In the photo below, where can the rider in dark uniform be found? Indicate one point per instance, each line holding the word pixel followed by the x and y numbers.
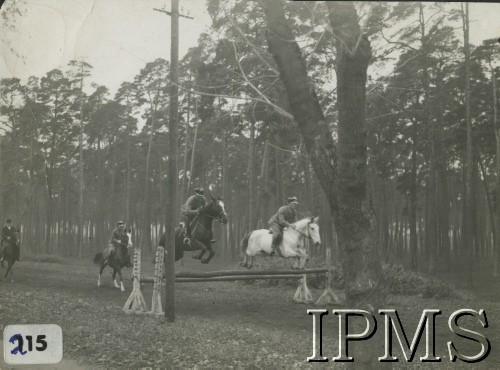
pixel 9 234
pixel 190 210
pixel 115 240
pixel 285 216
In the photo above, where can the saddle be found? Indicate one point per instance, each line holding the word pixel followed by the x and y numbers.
pixel 188 230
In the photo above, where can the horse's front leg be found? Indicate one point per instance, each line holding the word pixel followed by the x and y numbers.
pixel 202 247
pixel 9 272
pixel 122 287
pixel 100 273
pixel 200 254
pixel 243 262
pixel 302 258
pixel 12 273
pixel 114 278
pixel 211 253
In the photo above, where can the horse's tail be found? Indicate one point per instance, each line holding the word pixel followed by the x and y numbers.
pixel 98 258
pixel 244 242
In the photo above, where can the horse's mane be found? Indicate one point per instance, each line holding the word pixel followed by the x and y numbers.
pixel 302 223
pixel 209 204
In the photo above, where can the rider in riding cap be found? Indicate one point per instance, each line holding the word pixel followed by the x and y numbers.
pixel 116 239
pixel 9 233
pixel 285 216
pixel 190 210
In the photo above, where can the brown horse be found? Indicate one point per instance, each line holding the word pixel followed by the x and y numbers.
pixel 10 255
pixel 116 260
pixel 201 232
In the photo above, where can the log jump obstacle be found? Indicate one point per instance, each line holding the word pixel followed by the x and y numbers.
pixel 136 304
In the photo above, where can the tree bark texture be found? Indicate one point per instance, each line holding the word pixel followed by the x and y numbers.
pixel 341 171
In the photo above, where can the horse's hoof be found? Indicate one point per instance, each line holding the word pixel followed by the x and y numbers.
pixel 196 257
pixel 205 261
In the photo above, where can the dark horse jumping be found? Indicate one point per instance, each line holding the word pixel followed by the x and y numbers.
pixel 10 255
pixel 116 259
pixel 201 232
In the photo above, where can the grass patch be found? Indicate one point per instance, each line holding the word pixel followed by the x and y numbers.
pixel 398 280
pixel 44 258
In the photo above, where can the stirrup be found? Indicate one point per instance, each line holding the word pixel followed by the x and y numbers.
pixel 187 241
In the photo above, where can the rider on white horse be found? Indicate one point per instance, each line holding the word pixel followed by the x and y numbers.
pixel 285 216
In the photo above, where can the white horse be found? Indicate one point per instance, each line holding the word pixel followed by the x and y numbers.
pixel 259 242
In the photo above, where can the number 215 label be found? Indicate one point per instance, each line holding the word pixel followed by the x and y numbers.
pixel 32 344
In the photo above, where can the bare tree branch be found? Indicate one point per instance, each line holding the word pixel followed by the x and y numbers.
pixel 254 48
pixel 266 99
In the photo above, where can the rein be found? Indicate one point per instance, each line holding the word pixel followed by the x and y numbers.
pixel 308 235
pixel 196 219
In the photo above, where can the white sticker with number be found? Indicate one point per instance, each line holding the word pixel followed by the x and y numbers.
pixel 32 344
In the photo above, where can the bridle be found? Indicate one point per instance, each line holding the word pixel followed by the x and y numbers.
pixel 195 220
pixel 308 235
pixel 218 218
pixel 128 244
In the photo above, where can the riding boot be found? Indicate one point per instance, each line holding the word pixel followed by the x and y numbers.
pixel 183 233
pixel 275 247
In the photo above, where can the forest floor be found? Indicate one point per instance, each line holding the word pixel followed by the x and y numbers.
pixel 218 324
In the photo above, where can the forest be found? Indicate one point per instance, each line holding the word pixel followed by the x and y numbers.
pixel 76 157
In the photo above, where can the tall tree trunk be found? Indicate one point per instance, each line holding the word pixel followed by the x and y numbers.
pixel 193 153
pixel 171 209
pixel 412 201
pixel 443 198
pixel 1 181
pixel 280 192
pixel 146 213
pixel 264 196
pixel 49 210
pixel 344 183
pixel 183 189
pixel 128 185
pixel 496 127
pixel 80 170
pixel 467 240
pixel 251 178
pixel 226 196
